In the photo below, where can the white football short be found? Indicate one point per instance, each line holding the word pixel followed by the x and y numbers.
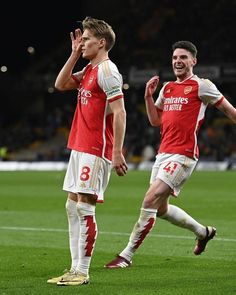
pixel 87 174
pixel 173 169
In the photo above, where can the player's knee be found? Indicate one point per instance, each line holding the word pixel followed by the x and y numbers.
pixel 73 196
pixel 157 200
pixel 162 209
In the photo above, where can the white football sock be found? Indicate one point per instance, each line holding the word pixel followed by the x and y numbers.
pixel 73 224
pixel 180 218
pixel 88 235
pixel 141 229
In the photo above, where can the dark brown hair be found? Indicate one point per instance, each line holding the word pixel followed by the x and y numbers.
pixel 187 45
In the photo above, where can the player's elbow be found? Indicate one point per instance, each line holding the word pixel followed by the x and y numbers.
pixel 59 86
pixel 155 123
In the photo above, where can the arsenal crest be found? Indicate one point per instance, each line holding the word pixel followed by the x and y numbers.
pixel 188 89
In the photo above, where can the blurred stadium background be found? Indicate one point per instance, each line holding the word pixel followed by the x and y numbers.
pixel 35 118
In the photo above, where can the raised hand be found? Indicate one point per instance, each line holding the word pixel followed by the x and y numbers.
pixel 76 40
pixel 151 86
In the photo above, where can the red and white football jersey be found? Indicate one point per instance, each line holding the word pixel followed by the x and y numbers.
pixel 183 106
pixel 92 130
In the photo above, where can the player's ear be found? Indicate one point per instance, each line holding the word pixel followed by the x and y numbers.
pixel 194 61
pixel 102 42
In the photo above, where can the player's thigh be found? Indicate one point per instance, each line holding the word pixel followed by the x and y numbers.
pixel 174 170
pixel 86 173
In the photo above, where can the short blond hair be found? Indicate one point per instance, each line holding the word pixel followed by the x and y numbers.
pixel 100 29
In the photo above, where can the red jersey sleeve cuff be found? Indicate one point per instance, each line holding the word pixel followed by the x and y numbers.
pixel 75 79
pixel 219 101
pixel 115 98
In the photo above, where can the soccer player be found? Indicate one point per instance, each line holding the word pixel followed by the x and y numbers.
pixel 95 140
pixel 179 111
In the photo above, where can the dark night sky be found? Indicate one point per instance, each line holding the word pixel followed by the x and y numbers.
pixel 37 25
pixel 45 27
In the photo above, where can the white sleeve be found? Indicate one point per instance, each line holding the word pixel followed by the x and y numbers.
pixel 208 92
pixel 160 100
pixel 110 80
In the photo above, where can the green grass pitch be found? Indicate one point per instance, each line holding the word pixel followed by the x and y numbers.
pixel 34 237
